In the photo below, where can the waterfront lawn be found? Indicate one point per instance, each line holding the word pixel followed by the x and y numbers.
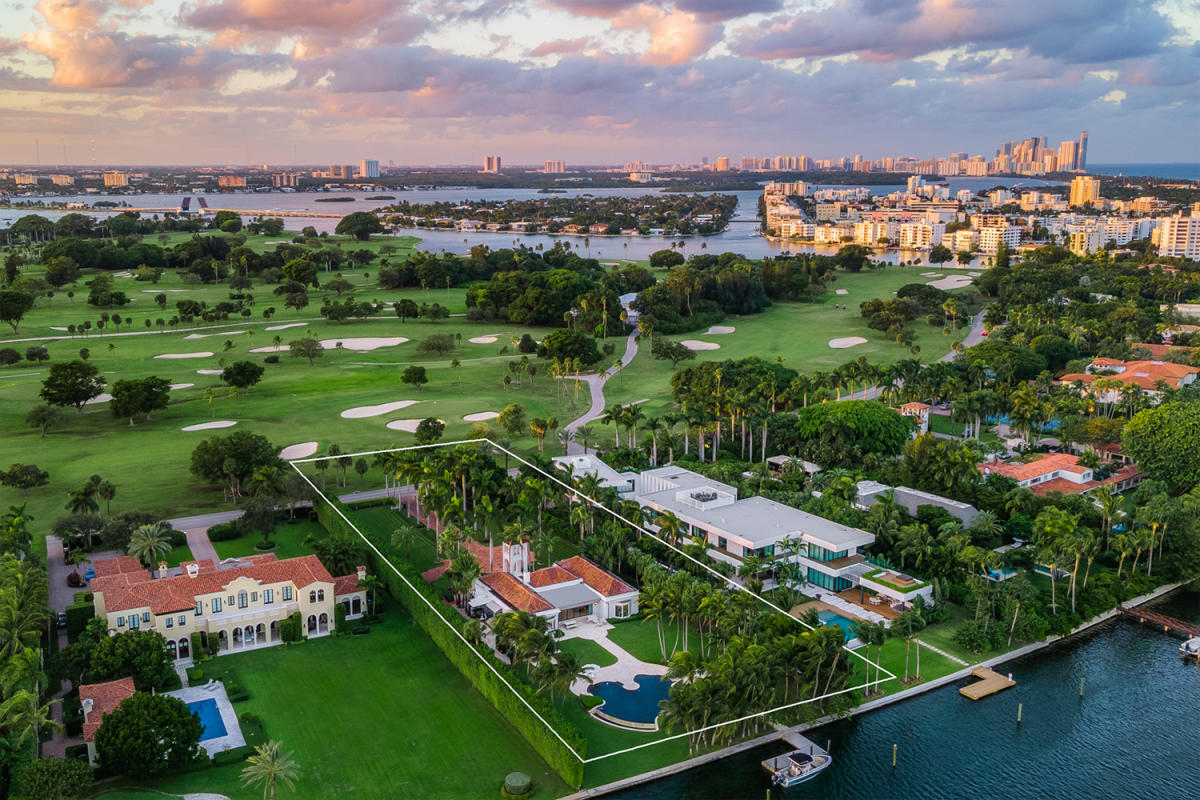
pixel 383 715
pixel 933 666
pixel 639 637
pixel 941 635
pixel 288 537
pixel 587 651
pixel 386 519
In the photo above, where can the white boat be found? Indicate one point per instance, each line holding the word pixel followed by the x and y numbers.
pixel 1191 647
pixel 796 767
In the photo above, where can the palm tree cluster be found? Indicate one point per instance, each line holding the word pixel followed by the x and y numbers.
pixel 526 641
pixel 24 714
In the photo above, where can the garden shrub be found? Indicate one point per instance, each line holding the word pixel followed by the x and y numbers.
pixel 289 629
pixel 339 618
pixel 225 532
pixel 271 359
pixel 197 645
pixel 177 538
pixel 236 692
pixel 234 755
pixel 437 620
pixel 195 674
pixel 78 616
pixel 77 751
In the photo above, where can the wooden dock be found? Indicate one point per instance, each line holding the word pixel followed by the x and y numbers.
pixel 989 683
pixel 802 743
pixel 1168 624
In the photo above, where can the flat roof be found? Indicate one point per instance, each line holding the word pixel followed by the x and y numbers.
pixel 569 596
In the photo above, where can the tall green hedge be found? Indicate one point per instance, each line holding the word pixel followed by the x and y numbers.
pixel 429 612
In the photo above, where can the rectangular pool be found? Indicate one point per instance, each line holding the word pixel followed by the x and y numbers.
pixel 834 618
pixel 210 718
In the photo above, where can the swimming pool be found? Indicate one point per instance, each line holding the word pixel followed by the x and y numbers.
pixel 834 618
pixel 210 718
pixel 640 705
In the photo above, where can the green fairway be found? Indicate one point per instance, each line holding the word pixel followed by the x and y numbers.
pixel 383 715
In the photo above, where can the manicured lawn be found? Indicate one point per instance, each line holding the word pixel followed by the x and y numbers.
pixel 178 555
pixel 288 538
pixel 587 651
pixel 383 715
pixel 932 665
pixel 941 635
pixel 386 519
pixel 640 639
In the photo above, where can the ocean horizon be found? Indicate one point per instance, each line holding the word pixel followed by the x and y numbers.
pixel 1167 169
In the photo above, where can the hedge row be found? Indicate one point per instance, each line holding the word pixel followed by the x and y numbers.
pixel 429 612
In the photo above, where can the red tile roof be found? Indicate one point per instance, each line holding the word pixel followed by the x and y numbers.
pixel 1042 466
pixel 515 593
pixel 551 575
pixel 105 698
pixel 117 565
pixel 489 560
pixel 1159 352
pixel 1068 487
pixel 594 576
pixel 345 584
pixel 1145 374
pixel 167 595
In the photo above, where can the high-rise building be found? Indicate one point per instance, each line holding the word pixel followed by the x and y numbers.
pixel 116 179
pixel 491 164
pixel 62 180
pixel 25 179
pixel 368 168
pixel 1084 190
pixel 1179 237
pixel 1067 152
pixel 722 163
pixel 554 166
pixel 341 171
pixel 231 181
pixel 1081 152
pixel 285 179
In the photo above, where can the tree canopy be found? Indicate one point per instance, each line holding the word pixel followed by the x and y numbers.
pixel 72 383
pixel 149 734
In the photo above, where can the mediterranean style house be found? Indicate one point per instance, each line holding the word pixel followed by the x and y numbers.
pixel 96 700
pixel 562 593
pixel 240 601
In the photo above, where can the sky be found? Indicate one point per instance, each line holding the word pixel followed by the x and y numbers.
pixel 590 81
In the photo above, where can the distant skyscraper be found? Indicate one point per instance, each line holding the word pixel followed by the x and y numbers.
pixel 722 163
pixel 1084 190
pixel 342 171
pixel 491 164
pixel 554 166
pixel 116 179
pixel 1067 156
pixel 368 168
pixel 1081 154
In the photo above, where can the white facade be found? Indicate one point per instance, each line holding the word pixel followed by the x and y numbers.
pixel 1179 237
pixel 921 235
pixel 991 238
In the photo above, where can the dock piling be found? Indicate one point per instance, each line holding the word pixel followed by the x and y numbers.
pixel 1019 707
pixel 1081 682
pixel 895 747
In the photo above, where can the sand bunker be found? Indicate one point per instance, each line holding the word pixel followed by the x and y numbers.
pixel 285 327
pixel 182 385
pixel 717 330
pixel 184 355
pixel 103 397
pixel 58 328
pixel 481 416
pixel 841 291
pixel 975 274
pixel 207 335
pixel 302 450
pixel 210 371
pixel 361 412
pixel 274 348
pixel 407 425
pixel 207 426
pixel 846 341
pixel 364 344
pixel 157 291
pixel 931 274
pixel 952 282
pixel 483 339
pixel 125 274
pixel 696 344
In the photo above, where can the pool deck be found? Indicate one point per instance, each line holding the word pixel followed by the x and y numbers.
pixel 626 668
pixel 215 690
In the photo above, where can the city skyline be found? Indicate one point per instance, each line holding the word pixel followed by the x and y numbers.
pixel 588 81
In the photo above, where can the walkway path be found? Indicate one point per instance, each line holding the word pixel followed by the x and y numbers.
pixel 627 668
pixel 941 653
pixel 596 387
pixel 206 521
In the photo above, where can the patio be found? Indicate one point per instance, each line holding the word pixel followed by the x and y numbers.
pixel 624 671
pixel 862 599
pixel 215 690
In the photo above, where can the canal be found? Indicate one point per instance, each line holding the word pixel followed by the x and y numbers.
pixel 1133 733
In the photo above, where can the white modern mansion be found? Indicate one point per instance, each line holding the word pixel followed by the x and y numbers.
pixel 833 555
pixel 239 601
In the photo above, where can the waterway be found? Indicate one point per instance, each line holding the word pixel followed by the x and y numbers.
pixel 1134 732
pixel 1187 171
pixel 741 236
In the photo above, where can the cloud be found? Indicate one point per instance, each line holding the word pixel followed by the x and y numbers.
pixel 560 47
pixel 676 37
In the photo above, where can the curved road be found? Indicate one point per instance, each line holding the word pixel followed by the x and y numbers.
pixel 596 387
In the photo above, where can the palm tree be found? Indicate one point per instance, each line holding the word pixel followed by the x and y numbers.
pixel 107 491
pixel 268 765
pixel 669 526
pixel 83 500
pixel 1110 508
pixel 907 625
pixel 584 434
pixel 149 542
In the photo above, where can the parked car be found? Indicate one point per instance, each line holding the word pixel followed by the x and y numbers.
pixel 62 619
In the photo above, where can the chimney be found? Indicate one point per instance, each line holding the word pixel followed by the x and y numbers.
pixel 193 570
pixel 362 573
pixel 162 569
pixel 87 707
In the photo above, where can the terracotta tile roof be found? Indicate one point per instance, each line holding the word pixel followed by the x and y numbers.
pixel 1145 374
pixel 105 698
pixel 167 595
pixel 515 593
pixel 1159 352
pixel 549 576
pixel 431 575
pixel 1043 466
pixel 915 407
pixel 345 584
pixel 1068 487
pixel 117 565
pixel 493 562
pixel 594 576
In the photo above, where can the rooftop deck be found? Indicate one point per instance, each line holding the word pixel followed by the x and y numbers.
pixel 862 599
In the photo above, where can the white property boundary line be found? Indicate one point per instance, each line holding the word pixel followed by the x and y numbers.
pixel 594 504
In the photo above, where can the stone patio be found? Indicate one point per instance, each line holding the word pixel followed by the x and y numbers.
pixel 215 690
pixel 626 668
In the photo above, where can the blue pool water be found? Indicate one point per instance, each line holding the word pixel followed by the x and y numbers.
pixel 834 618
pixel 210 718
pixel 633 706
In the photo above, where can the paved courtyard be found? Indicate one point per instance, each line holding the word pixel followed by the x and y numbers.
pixel 626 668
